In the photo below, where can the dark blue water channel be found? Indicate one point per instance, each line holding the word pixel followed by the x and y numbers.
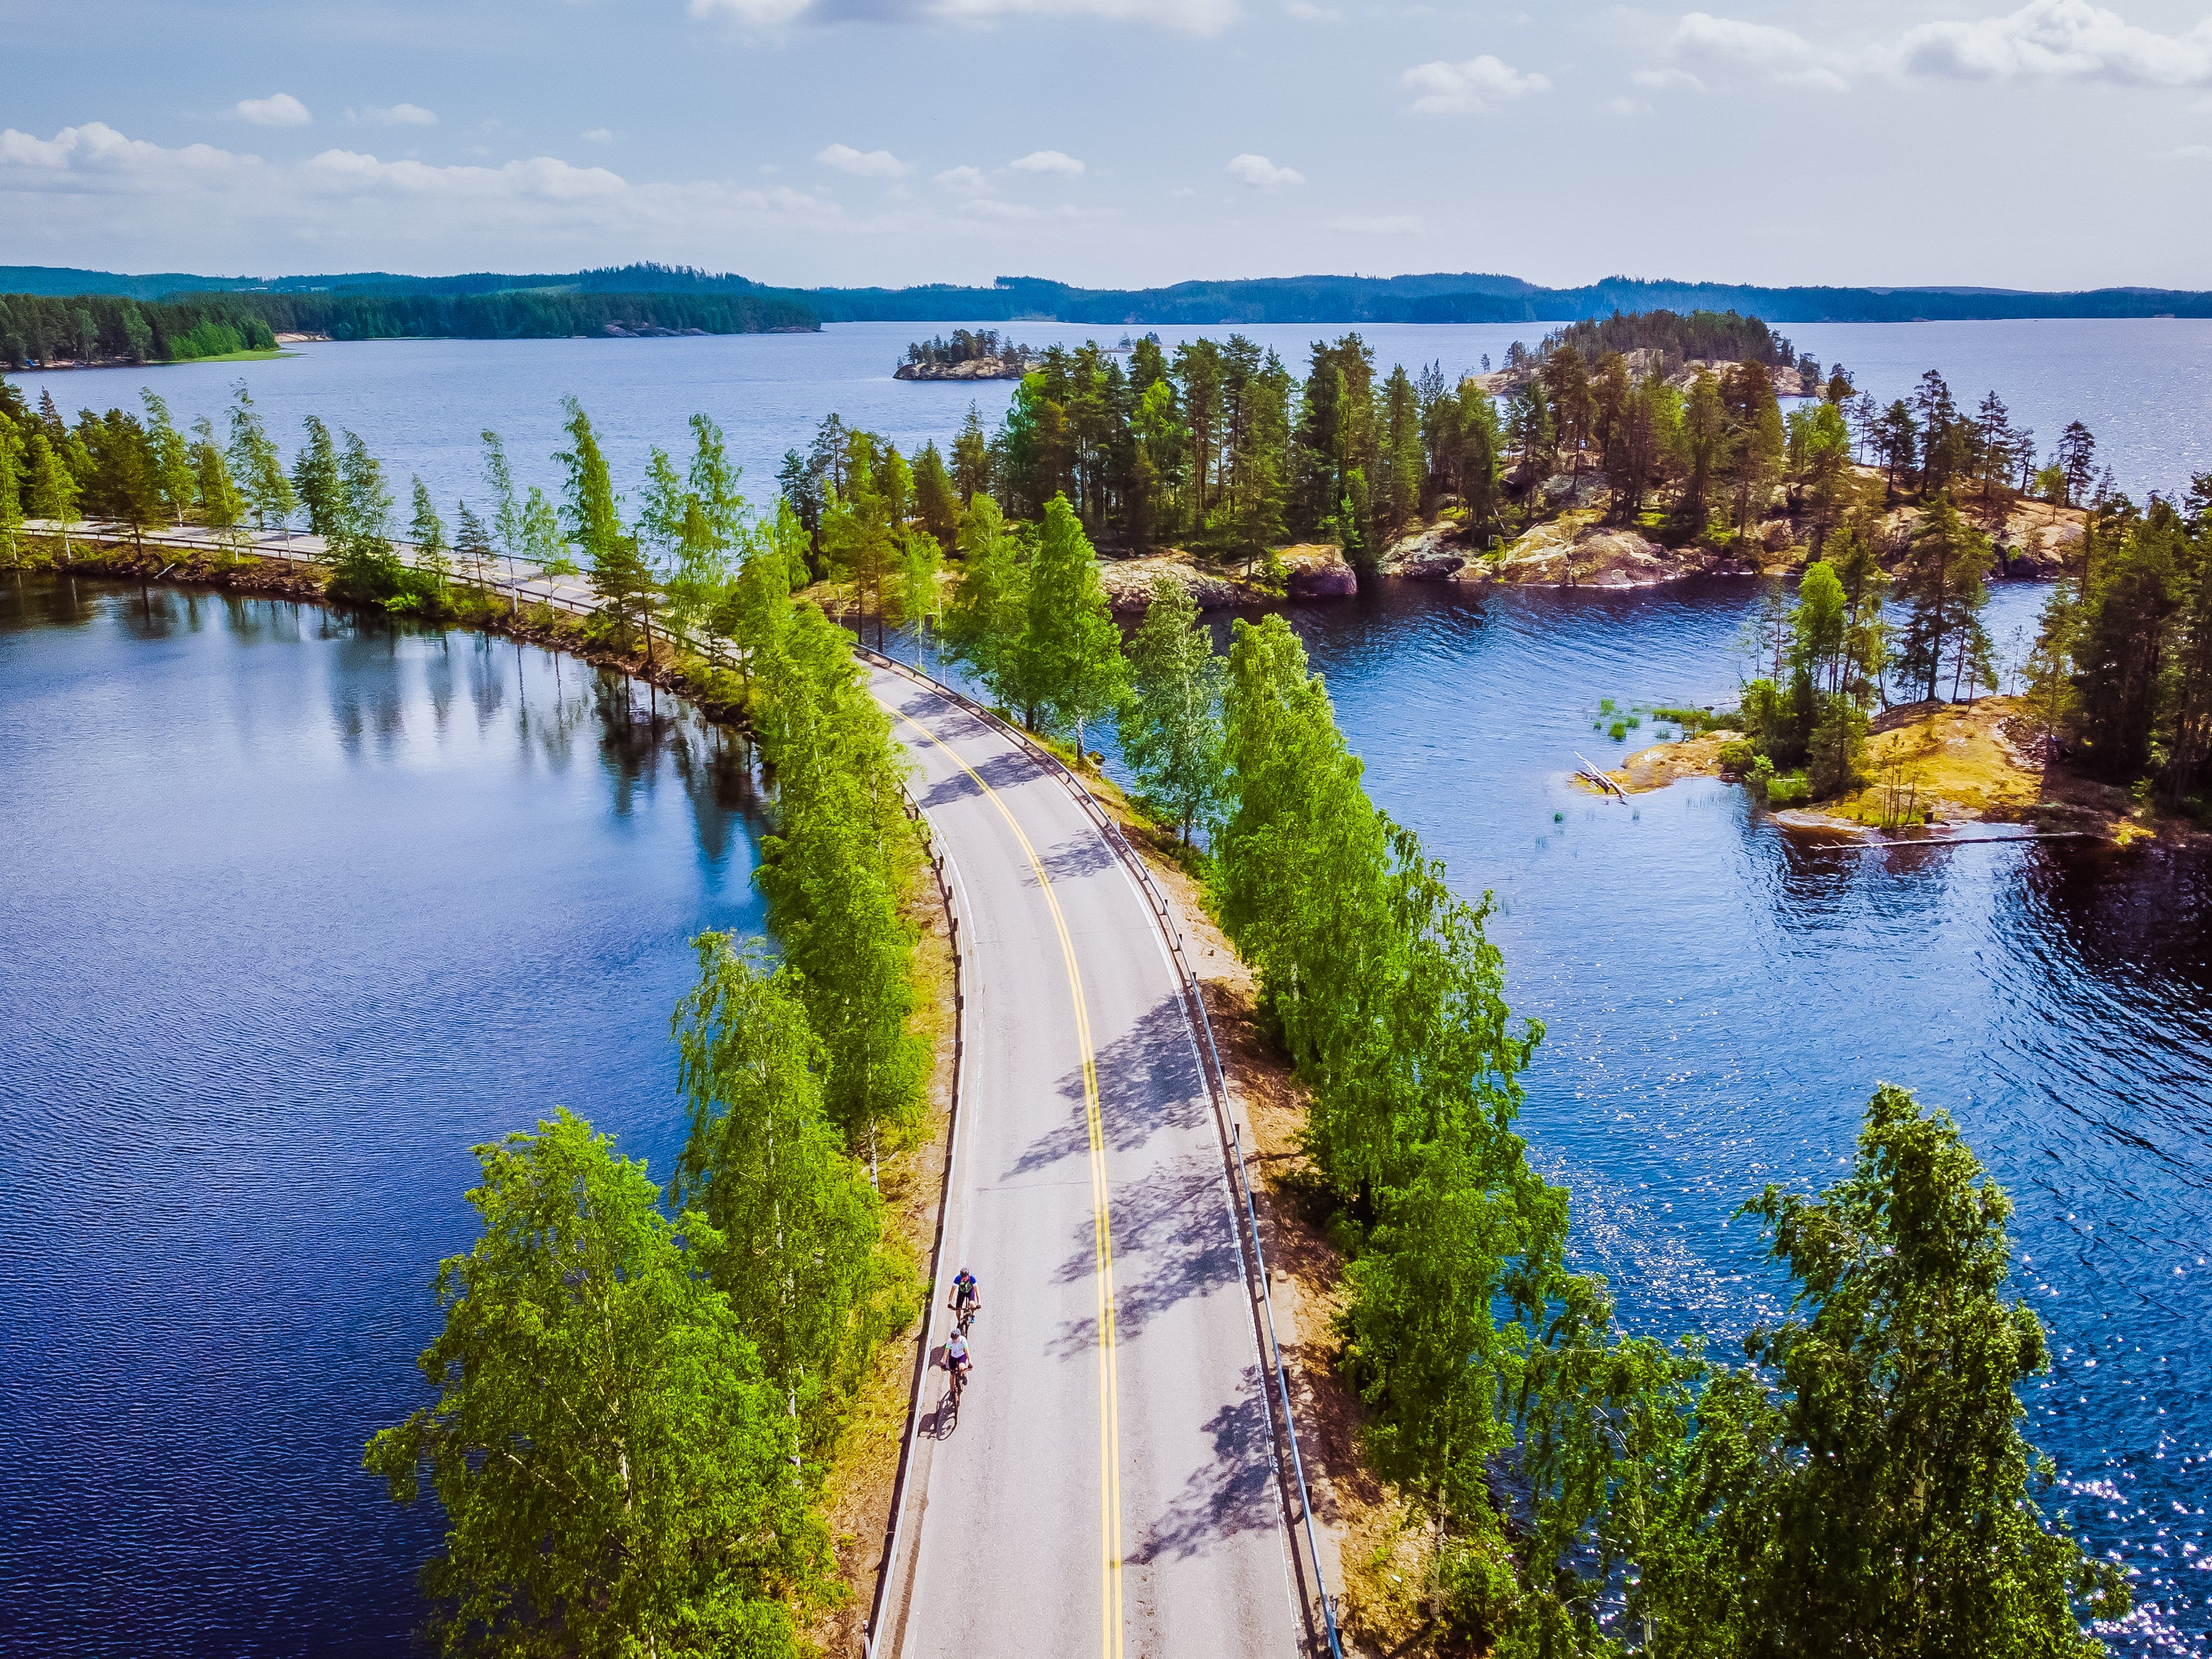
pixel 294 910
pixel 1719 999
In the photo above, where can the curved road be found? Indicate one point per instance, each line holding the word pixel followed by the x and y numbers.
pixel 1110 1485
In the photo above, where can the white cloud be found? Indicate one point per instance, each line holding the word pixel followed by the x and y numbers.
pixel 1048 160
pixel 279 109
pixel 597 135
pixel 1306 11
pixel 92 187
pixel 2058 40
pixel 2188 153
pixel 1665 80
pixel 401 115
pixel 1781 57
pixel 963 181
pixel 863 164
pixel 1184 16
pixel 1261 173
pixel 1388 224
pixel 1474 87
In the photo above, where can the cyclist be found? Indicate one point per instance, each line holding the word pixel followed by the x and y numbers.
pixel 957 1360
pixel 967 1297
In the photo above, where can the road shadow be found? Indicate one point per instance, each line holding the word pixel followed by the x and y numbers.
pixel 1147 1081
pixel 1233 1491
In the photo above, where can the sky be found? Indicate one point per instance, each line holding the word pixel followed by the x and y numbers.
pixel 1114 143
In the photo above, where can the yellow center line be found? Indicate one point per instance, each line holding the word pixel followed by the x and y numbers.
pixel 1109 1409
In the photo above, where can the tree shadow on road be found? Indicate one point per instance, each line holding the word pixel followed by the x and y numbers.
pixel 1233 1491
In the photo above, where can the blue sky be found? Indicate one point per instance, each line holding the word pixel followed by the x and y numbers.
pixel 1115 141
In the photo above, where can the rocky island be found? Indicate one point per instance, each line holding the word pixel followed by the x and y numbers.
pixel 980 355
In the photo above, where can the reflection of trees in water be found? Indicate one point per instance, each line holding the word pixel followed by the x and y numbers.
pixel 366 699
pixel 2136 918
pixel 716 767
pixel 488 670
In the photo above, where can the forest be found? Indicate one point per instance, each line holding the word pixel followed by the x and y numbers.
pixel 37 332
pixel 1857 1482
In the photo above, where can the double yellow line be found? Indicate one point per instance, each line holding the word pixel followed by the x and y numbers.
pixel 1102 1232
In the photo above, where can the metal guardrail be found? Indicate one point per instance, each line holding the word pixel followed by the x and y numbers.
pixel 1217 1082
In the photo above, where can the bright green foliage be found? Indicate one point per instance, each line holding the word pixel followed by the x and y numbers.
pixel 175 476
pixel 1389 994
pixel 2133 663
pixel 1171 731
pixel 221 506
pixel 259 467
pixel 12 457
pixel 591 512
pixel 53 488
pixel 1818 628
pixel 798 1229
pixel 316 479
pixel 834 869
pixel 859 540
pixel 986 624
pixel 1897 1484
pixel 506 526
pixel 615 1471
pixel 362 563
pixel 426 527
pixel 919 596
pixel 1072 646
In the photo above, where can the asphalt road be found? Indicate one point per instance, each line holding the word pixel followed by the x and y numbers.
pixel 1108 1484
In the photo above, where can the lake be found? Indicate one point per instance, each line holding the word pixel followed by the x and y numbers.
pixel 297 911
pixel 263 1022
pixel 2140 385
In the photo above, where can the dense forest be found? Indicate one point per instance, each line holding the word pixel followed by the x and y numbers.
pixel 98 329
pixel 1857 1481
pixel 37 332
pixel 1440 297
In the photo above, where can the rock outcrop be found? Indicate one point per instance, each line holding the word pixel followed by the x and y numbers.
pixel 975 368
pixel 1315 572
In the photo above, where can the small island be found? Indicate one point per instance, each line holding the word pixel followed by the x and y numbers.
pixel 977 355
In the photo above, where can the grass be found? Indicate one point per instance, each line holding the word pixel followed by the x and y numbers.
pixel 261 356
pixel 1950 760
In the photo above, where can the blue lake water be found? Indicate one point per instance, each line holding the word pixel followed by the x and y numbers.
pixel 261 1022
pixel 295 912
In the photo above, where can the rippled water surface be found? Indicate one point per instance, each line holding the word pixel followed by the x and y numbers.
pixel 294 912
pixel 1719 1001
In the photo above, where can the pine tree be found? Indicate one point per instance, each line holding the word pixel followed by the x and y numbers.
pixel 221 508
pixel 53 490
pixel 985 625
pixel 13 455
pixel 472 542
pixel 1941 582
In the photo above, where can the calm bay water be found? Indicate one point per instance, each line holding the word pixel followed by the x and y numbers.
pixel 296 911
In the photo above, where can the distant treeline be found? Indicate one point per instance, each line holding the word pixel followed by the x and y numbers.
pixel 533 315
pixel 1437 297
pixel 36 331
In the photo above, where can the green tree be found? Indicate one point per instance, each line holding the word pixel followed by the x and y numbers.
pixel 937 503
pixel 13 454
pixel 615 1471
pixel 590 511
pixel 985 625
pixel 53 489
pixel 221 508
pixel 473 543
pixel 1070 636
pixel 798 1229
pixel 1942 582
pixel 1906 1521
pixel 258 468
pixel 1171 731
pixel 362 562
pixel 175 477
pixel 317 481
